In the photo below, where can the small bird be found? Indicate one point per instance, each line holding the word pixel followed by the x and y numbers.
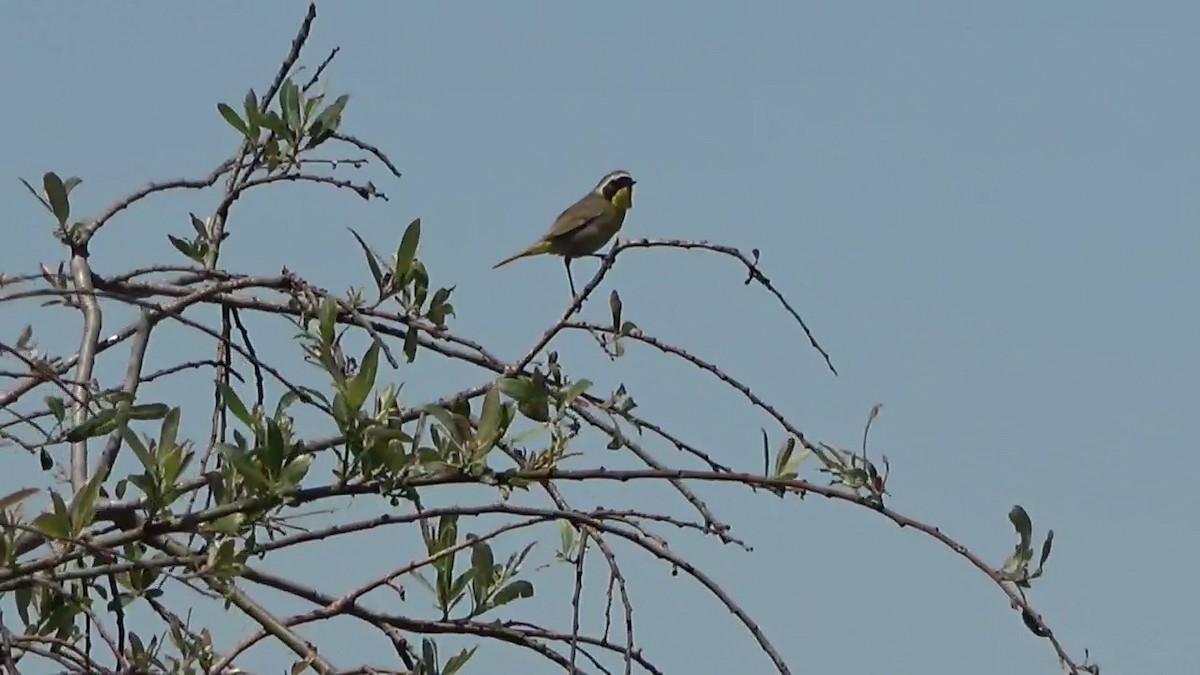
pixel 587 225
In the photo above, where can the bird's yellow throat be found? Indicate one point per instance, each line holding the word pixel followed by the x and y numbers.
pixel 623 199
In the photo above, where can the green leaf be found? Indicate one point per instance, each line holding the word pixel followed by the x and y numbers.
pixel 148 411
pixel 489 419
pixel 83 505
pixel 482 566
pixel 410 344
pixel 372 263
pixel 572 393
pixel 439 309
pixel 332 115
pixel 327 122
pixel 327 320
pixel 36 194
pixel 614 306
pixel 174 462
pixel 1020 521
pixel 286 401
pixel 185 247
pixel 273 450
pixel 52 525
pixel 360 386
pixel 447 532
pixel 517 589
pixel 446 418
pixel 244 465
pixel 458 589
pixel 536 409
pixel 420 282
pixel 519 388
pixel 45 459
pixel 231 116
pixel 98 425
pixel 60 506
pixel 139 449
pixel 296 470
pixel 311 104
pixel 228 524
pixel 56 195
pixel 407 250
pixel 199 226
pixel 14 498
pixel 234 405
pixel 766 452
pixel 566 533
pixel 429 655
pixel 57 408
pixel 70 184
pixel 440 296
pixel 1046 548
pixel 617 441
pixel 438 313
pixel 456 662
pixel 250 105
pixel 170 428
pixel 289 103
pixel 272 121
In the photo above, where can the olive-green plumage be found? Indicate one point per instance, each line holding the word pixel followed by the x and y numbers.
pixel 587 225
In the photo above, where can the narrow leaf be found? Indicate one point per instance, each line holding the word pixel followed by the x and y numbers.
pixel 51 525
pixel 327 319
pixel 148 411
pixel 289 100
pixel 185 247
pixel 489 419
pixel 83 505
pixel 140 450
pixel 57 407
pixel 231 116
pixel 1020 521
pixel 614 306
pixel 456 662
pixel 766 452
pixel 481 565
pixel 14 498
pixel 517 589
pixel 97 425
pixel 410 344
pixel 250 105
pixel 170 428
pixel 56 195
pixel 37 194
pixel 407 249
pixel 376 273
pixel 1046 548
pixel 360 386
pixel 576 388
pixel 234 405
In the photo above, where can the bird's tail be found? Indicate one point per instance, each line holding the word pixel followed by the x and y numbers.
pixel 537 248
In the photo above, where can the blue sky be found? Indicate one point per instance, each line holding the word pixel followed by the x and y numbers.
pixel 987 216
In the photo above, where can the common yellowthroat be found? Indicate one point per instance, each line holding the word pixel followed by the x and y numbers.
pixel 587 225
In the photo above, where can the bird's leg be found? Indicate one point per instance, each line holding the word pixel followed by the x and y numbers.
pixel 570 279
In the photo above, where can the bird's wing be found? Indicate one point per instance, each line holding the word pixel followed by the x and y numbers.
pixel 576 217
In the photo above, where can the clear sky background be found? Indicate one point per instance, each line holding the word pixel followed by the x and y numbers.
pixel 986 213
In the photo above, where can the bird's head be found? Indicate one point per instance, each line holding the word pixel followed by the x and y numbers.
pixel 617 187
